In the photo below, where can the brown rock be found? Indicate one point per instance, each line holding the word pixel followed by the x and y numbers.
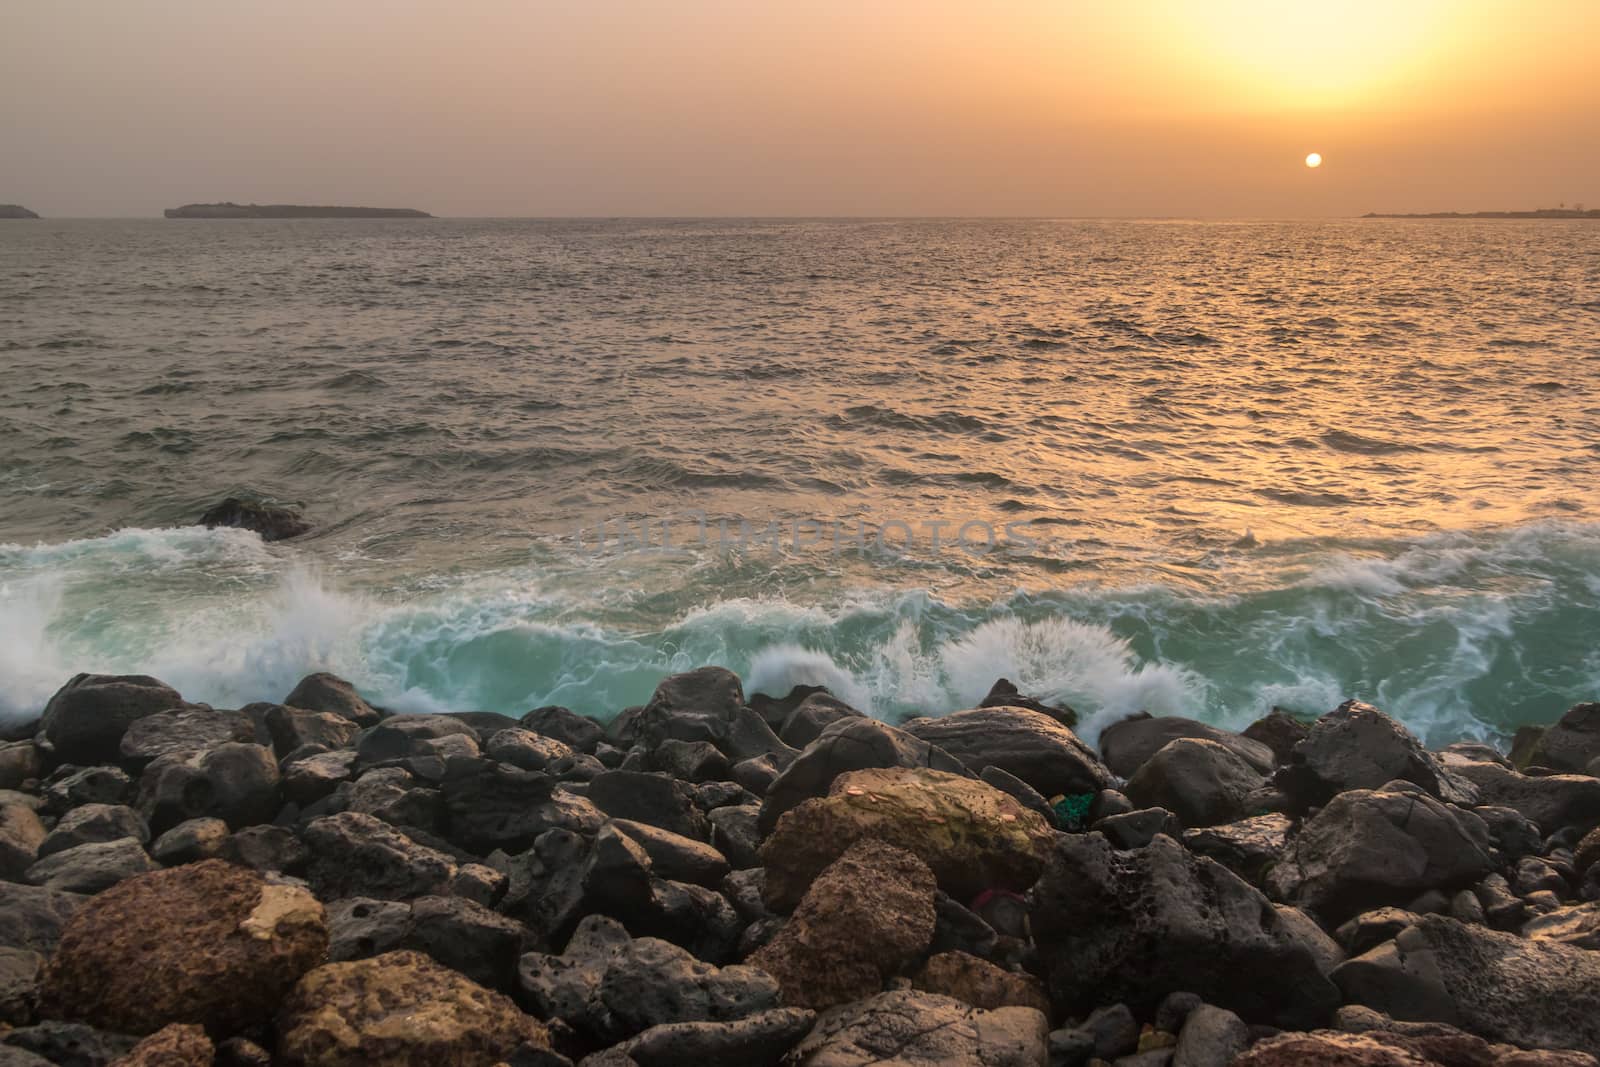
pixel 400 1009
pixel 867 916
pixel 1329 1049
pixel 205 943
pixel 980 983
pixel 174 1045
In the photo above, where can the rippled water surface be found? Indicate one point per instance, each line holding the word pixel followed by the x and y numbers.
pixel 1245 463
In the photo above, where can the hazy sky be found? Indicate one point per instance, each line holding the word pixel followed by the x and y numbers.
pixel 822 107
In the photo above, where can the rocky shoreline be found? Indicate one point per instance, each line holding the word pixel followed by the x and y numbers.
pixel 716 879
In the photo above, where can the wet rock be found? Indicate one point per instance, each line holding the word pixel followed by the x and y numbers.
pixel 292 728
pixel 1003 694
pixel 758 1040
pixel 1247 847
pixel 1211 1037
pixel 682 859
pixel 1536 994
pixel 190 840
pixel 400 1009
pixel 206 943
pixel 849 744
pixel 92 824
pixel 182 729
pixel 84 721
pixel 310 778
pixel 867 916
pixel 65 1044
pixel 327 692
pixel 973 836
pixel 1279 731
pixel 1028 744
pixel 1356 746
pixel 273 522
pixel 1572 743
pixel 910 1029
pixel 577 732
pixel 1554 802
pixel 174 1045
pixel 979 983
pixel 1135 926
pixel 1577 925
pixel 91 868
pixel 1126 745
pixel 234 782
pixel 814 714
pixel 355 855
pixel 71 787
pixel 20 969
pixel 32 917
pixel 493 805
pixel 1368 848
pixel 1202 782
pixel 655 799
pixel 1136 829
pixel 21 836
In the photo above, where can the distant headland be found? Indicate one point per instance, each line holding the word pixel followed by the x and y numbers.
pixel 290 211
pixel 1537 213
pixel 15 211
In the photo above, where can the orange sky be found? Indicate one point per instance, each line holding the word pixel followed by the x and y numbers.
pixel 829 107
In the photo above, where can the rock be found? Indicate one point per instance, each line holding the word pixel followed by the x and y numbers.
pixel 1511 832
pixel 1112 1031
pixel 32 917
pixel 907 1028
pixel 1331 1049
pixel 19 985
pixel 1028 744
pixel 327 692
pixel 492 805
pixel 758 1040
pixel 1554 802
pixel 91 868
pixel 1372 928
pixel 70 787
pixel 1279 731
pixel 20 762
pixel 525 749
pixel 1136 829
pixel 1587 854
pixel 182 729
pixel 310 778
pixel 93 824
pixel 868 915
pixel 1135 926
pixel 1368 848
pixel 757 773
pixel 394 795
pixel 1577 925
pixel 849 744
pixel 84 722
pixel 174 1045
pixel 234 782
pixel 65 1044
pixel 1247 847
pixel 292 728
pixel 1003 694
pixel 466 937
pixel 1536 994
pixel 193 839
pixel 814 714
pixel 273 522
pixel 1127 744
pixel 267 849
pixel 959 929
pixel 577 732
pixel 1211 1037
pixel 979 983
pixel 1356 746
pixel 404 736
pixel 736 834
pixel 1572 743
pixel 1202 782
pixel 1324 949
pixel 206 943
pixel 974 837
pixel 1021 791
pixel 355 855
pixel 400 1009
pixel 655 799
pixel 21 836
pixel 674 856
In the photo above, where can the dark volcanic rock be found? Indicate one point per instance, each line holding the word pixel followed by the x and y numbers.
pixel 1554 802
pixel 655 799
pixel 526 750
pixel 1202 782
pixel 20 969
pixel 1135 926
pixel 1502 987
pixel 813 715
pixel 1003 694
pixel 33 918
pixel 1127 744
pixel 577 732
pixel 674 856
pixel 402 736
pixel 91 868
pixel 493 805
pixel 758 1040
pixel 1572 743
pixel 273 522
pixel 21 837
pixel 330 693
pixel 85 720
pixel 980 983
pixel 206 943
pixel 94 823
pixel 1356 746
pixel 237 783
pixel 64 1044
pixel 466 937
pixel 866 917
pixel 70 787
pixel 190 840
pixel 908 1028
pixel 174 1045
pixel 355 855
pixel 292 728
pixel 1279 731
pixel 181 730
pixel 1247 847
pixel 1029 744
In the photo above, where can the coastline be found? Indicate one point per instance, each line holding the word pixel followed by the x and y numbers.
pixel 722 878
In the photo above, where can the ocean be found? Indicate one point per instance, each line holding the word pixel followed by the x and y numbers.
pixel 1199 468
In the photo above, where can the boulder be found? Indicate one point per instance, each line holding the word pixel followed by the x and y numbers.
pixel 1134 926
pixel 234 782
pixel 181 729
pixel 65 1044
pixel 292 728
pixel 1554 802
pixel 1369 848
pixel 206 943
pixel 811 716
pixel 1577 925
pixel 394 795
pixel 267 849
pixel 356 855
pixel 91 868
pixel 1136 829
pixel 310 778
pixel 979 983
pixel 526 750
pixel 644 797
pixel 272 522
pixel 32 917
pixel 1127 744
pixel 1372 928
pixel 85 720
pixel 1279 731
pixel 974 837
pixel 92 824
pixel 400 1009
pixel 20 762
pixel 909 1028
pixel 20 969
pixel 682 859
pixel 69 787
pixel 326 692
pixel 1572 743
pixel 1356 746
pixel 193 839
pixel 1248 847
pixel 174 1045
pixel 850 744
pixel 1211 1037
pixel 1029 744
pixel 1202 782
pixel 1331 1049
pixel 405 736
pixel 736 833
pixel 464 936
pixel 1535 994
pixel 757 1040
pixel 867 916
pixel 577 732
pixel 490 805
pixel 1003 694
pixel 21 836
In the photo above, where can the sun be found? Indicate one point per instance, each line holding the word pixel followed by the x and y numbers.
pixel 1314 160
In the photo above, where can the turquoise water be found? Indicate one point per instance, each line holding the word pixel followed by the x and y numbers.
pixel 1247 464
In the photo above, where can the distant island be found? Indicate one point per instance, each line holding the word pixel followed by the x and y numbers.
pixel 290 211
pixel 15 211
pixel 1537 213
